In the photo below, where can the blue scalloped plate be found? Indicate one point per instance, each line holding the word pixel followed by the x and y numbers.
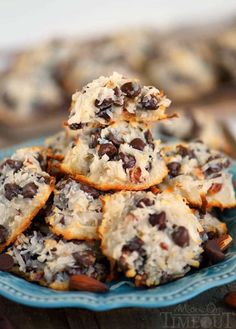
pixel 172 293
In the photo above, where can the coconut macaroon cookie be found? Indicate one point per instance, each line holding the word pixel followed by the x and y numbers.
pixel 199 174
pixel 152 238
pixel 76 211
pixel 115 98
pixel 193 125
pixel 120 156
pixel 58 143
pixel 24 190
pixel 51 262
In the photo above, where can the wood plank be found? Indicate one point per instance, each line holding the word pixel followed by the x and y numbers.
pixel 200 312
pixel 23 317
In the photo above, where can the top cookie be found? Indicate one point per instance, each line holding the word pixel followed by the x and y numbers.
pixel 115 98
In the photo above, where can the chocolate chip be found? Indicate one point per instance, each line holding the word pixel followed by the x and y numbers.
pixel 109 149
pixel 42 161
pixel 114 140
pixel 13 164
pixel 61 201
pixel 104 104
pixel 90 190
pixel 118 101
pixel 84 259
pixel 166 278
pixel 128 160
pixel 62 220
pixel 131 89
pixel 148 167
pixel 213 252
pixel 103 114
pixel 29 190
pixel 174 168
pixel 134 244
pixel 11 190
pixel 3 234
pixel 149 102
pixel 144 202
pixel 185 152
pixel 181 236
pixel 214 168
pixel 138 144
pixel 75 126
pixel 94 138
pixel 148 136
pixel 6 262
pixel 158 220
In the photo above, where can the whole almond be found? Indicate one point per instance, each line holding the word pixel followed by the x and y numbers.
pixel 85 283
pixel 230 299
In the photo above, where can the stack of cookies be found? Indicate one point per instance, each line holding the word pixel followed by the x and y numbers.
pixel 122 202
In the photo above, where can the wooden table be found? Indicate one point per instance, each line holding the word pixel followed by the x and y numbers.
pixel 205 311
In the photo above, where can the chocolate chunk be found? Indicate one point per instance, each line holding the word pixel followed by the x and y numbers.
pixel 114 140
pixel 104 104
pixel 90 190
pixel 6 262
pixel 128 160
pixel 11 191
pixel 149 102
pixel 181 236
pixel 158 220
pixel 84 259
pixel 144 202
pixel 213 252
pixel 13 164
pixel 138 144
pixel 134 244
pixel 185 152
pixel 131 89
pixel 148 136
pixel 3 234
pixel 75 126
pixel 109 149
pixel 174 168
pixel 29 190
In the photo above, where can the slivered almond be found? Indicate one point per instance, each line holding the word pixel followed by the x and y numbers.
pixel 224 241
pixel 85 283
pixel 215 188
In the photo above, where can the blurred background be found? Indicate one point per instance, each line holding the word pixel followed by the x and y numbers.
pixel 49 49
